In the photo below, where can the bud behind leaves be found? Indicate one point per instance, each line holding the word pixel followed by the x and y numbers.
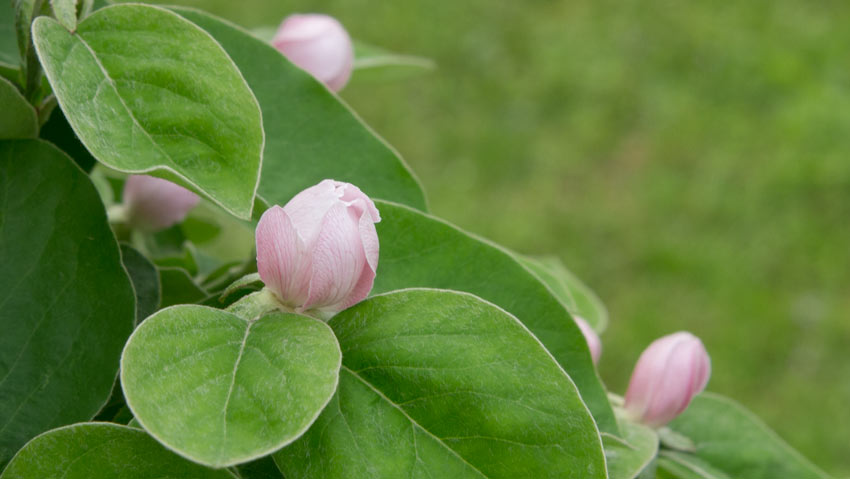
pixel 318 44
pixel 153 204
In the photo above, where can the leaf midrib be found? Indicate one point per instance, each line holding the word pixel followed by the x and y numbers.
pixel 412 421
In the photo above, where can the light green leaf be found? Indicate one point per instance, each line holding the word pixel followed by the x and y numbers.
pixel 632 456
pixel 66 303
pixel 310 133
pixel 442 384
pixel 418 250
pixel 733 440
pixel 102 451
pixel 579 299
pixel 145 280
pixel 678 465
pixel 18 119
pixel 65 12
pixel 149 92
pixel 220 390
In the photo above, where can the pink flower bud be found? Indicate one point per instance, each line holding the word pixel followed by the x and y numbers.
pixel 154 204
pixel 319 44
pixel 320 251
pixel 593 342
pixel 668 374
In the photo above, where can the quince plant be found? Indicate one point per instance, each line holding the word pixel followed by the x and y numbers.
pixel 212 268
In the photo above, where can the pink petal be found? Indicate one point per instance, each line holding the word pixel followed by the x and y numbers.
pixel 338 258
pixel 593 341
pixel 282 260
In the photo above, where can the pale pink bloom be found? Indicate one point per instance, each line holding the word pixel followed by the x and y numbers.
pixel 318 44
pixel 320 251
pixel 668 374
pixel 154 204
pixel 593 342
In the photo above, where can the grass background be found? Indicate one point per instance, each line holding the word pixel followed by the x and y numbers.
pixel 689 160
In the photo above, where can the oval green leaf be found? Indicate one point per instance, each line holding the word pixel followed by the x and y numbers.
pixel 220 390
pixel 311 134
pixel 66 303
pixel 102 451
pixel 19 119
pixel 418 250
pixel 443 384
pixel 149 92
pixel 633 456
pixel 733 440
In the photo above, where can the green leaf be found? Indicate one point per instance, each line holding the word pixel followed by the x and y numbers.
pixel 145 280
pixel 102 451
pixel 678 465
pixel 733 440
pixel 149 92
pixel 264 468
pixel 220 390
pixel 633 455
pixel 310 133
pixel 9 54
pixel 579 299
pixel 179 288
pixel 66 303
pixel 372 63
pixel 18 119
pixel 418 250
pixel 442 384
pixel 65 12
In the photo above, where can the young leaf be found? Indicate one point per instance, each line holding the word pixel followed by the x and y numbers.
pixel 18 119
pixel 149 92
pixel 418 250
pixel 733 440
pixel 220 390
pixel 442 384
pixel 310 133
pixel 145 280
pixel 578 297
pixel 65 12
pixel 9 53
pixel 178 287
pixel 632 456
pixel 101 451
pixel 66 303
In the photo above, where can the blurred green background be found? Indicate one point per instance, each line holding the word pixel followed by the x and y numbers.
pixel 689 160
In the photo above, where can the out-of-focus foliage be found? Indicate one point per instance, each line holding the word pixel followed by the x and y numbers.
pixel 688 160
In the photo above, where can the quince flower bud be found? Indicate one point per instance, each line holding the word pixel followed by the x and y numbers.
pixel 318 44
pixel 320 251
pixel 668 374
pixel 153 204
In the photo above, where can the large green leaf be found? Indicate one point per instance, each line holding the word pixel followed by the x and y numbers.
pixel 148 91
pixel 632 456
pixel 442 384
pixel 18 118
pixel 733 440
pixel 221 390
pixel 66 303
pixel 418 250
pixel 102 451
pixel 310 133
